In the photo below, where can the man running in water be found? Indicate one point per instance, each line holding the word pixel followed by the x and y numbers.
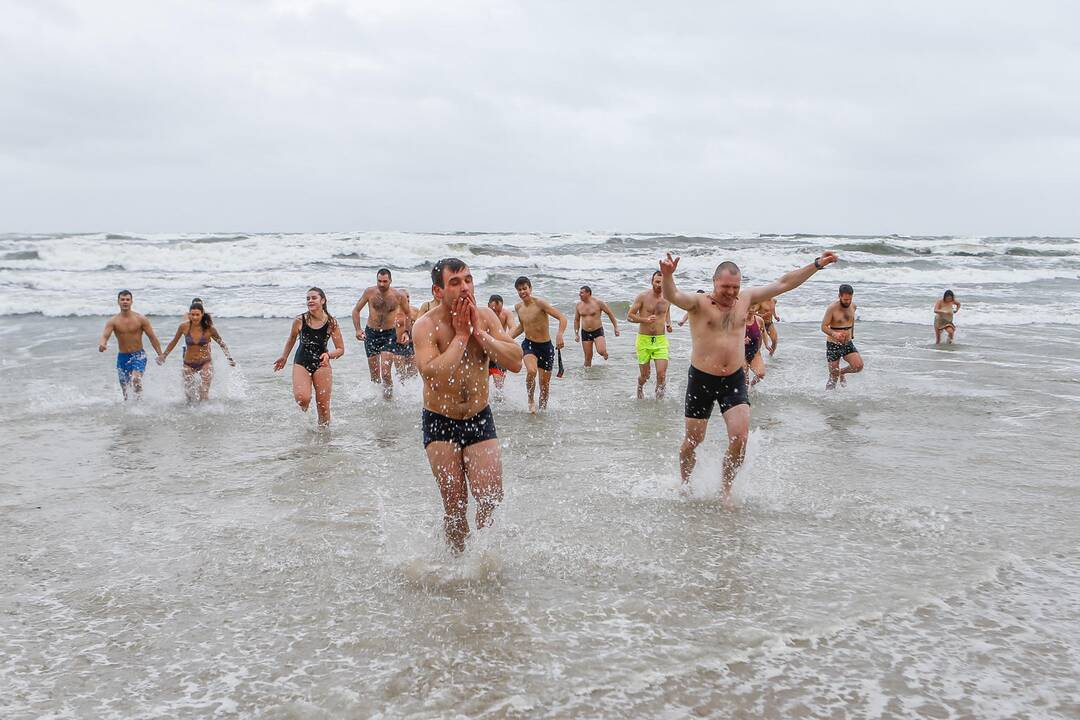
pixel 455 343
pixel 717 357
pixel 589 326
pixel 380 334
pixel 766 309
pixel 839 328
pixel 402 350
pixel 653 315
pixel 129 327
pixel 533 313
pixel 498 375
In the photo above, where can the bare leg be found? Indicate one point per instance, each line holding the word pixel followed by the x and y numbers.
pixel 643 377
pixel 483 465
pixel 448 468
pixel 386 361
pixel 136 384
pixel 323 380
pixel 695 434
pixel 771 330
pixel 757 366
pixel 373 367
pixel 530 380
pixel 586 345
pixel 951 329
pixel 854 364
pixel 301 387
pixel 191 384
pixel 834 374
pixel 206 376
pixel 545 387
pixel 601 347
pixel 500 380
pixel 661 378
pixel 937 336
pixel 737 420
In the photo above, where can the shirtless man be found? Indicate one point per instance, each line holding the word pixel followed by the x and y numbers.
pixel 944 309
pixel 455 343
pixel 402 349
pixel 380 334
pixel 589 326
pixel 839 327
pixel 716 375
pixel 533 313
pixel 129 327
pixel 498 375
pixel 653 315
pixel 766 310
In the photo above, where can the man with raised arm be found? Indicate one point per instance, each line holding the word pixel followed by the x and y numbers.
pixel 455 342
pixel 380 334
pixel 129 327
pixel 717 333
pixel 533 314
pixel 589 326
pixel 653 315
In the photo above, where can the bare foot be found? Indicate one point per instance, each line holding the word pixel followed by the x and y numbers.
pixel 843 381
pixel 640 393
pixel 831 384
pixel 727 502
pixel 532 407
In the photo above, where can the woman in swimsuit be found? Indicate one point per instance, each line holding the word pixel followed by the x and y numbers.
pixel 198 369
pixel 311 365
pixel 755 328
pixel 943 316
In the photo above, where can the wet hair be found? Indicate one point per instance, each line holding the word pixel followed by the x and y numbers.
pixel 587 289
pixel 384 271
pixel 655 273
pixel 206 322
pixel 948 295
pixel 846 289
pixel 701 291
pixel 196 300
pixel 451 264
pixel 522 282
pixel 495 298
pixel 122 293
pixel 329 318
pixel 726 267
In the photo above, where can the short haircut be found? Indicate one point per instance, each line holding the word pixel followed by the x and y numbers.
pixel 122 293
pixel 948 294
pixel 451 264
pixel 846 289
pixel 701 291
pixel 384 271
pixel 655 273
pixel 522 282
pixel 587 289
pixel 495 298
pixel 726 267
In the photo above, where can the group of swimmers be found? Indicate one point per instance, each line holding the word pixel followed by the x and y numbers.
pixel 456 345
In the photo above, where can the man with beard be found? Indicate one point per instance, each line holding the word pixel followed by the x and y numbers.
pixel 455 342
pixel 653 315
pixel 839 327
pixel 589 326
pixel 380 334
pixel 717 356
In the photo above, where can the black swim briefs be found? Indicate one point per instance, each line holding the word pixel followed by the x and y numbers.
pixel 544 352
pixel 377 341
pixel 835 351
pixel 704 389
pixel 590 335
pixel 463 433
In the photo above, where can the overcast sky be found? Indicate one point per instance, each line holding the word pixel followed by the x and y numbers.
pixel 293 115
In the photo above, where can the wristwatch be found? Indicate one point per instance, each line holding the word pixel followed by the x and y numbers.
pixel 817 263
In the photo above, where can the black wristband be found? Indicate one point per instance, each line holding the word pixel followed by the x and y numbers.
pixel 817 263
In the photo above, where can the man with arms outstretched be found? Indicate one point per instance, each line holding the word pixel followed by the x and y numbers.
pixel 533 313
pixel 129 326
pixel 653 315
pixel 589 326
pixel 380 334
pixel 839 328
pixel 717 331
pixel 455 341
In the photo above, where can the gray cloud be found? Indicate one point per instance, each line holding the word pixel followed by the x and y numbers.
pixel 786 116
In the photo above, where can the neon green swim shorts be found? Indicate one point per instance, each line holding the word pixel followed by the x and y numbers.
pixel 651 347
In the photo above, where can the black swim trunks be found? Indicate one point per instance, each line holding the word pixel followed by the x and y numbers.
pixel 377 341
pixel 590 335
pixel 704 389
pixel 835 351
pixel 463 433
pixel 406 350
pixel 544 352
